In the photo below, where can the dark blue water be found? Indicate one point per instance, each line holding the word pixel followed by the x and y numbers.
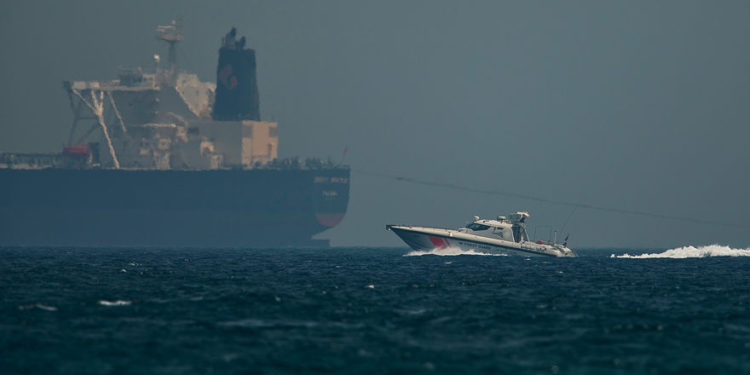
pixel 351 311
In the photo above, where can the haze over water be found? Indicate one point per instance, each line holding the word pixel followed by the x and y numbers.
pixel 636 105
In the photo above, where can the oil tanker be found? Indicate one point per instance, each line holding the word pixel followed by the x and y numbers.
pixel 161 158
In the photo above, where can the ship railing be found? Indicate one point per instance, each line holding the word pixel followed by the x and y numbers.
pixel 30 160
pixel 296 163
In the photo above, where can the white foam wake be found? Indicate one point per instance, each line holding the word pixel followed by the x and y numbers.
pixel 692 252
pixel 118 302
pixel 449 251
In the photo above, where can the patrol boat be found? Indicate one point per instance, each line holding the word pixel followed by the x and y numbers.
pixel 505 235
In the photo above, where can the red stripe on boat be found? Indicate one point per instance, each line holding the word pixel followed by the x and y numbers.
pixel 438 242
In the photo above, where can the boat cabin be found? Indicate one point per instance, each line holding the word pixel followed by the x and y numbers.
pixel 511 228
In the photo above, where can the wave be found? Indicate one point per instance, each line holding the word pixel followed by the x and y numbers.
pixel 258 323
pixel 692 252
pixel 118 302
pixel 38 306
pixel 449 251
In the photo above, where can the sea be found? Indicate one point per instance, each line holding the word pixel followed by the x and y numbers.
pixel 373 311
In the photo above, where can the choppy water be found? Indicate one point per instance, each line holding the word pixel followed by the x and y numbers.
pixel 351 311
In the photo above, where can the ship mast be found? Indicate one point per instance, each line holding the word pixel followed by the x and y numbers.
pixel 172 34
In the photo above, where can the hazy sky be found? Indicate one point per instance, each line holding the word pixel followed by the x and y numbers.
pixel 638 105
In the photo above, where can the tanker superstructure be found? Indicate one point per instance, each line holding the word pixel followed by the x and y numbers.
pixel 163 159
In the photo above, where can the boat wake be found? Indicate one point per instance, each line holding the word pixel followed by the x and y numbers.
pixel 692 252
pixel 449 251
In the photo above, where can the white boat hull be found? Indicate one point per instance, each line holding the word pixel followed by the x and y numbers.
pixel 426 238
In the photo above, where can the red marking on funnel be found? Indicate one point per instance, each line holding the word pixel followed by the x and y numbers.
pixel 224 74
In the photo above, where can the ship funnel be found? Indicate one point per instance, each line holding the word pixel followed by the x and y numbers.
pixel 236 82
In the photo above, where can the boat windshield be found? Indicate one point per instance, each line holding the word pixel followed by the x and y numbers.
pixel 477 227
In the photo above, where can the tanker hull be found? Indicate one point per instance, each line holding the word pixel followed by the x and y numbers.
pixel 153 208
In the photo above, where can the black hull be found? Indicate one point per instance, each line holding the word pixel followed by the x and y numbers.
pixel 218 208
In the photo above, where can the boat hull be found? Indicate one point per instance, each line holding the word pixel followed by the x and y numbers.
pixel 424 238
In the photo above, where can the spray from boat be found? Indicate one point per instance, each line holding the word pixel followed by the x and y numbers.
pixel 691 252
pixel 451 251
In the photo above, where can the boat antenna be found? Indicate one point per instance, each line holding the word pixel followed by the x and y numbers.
pixel 555 240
